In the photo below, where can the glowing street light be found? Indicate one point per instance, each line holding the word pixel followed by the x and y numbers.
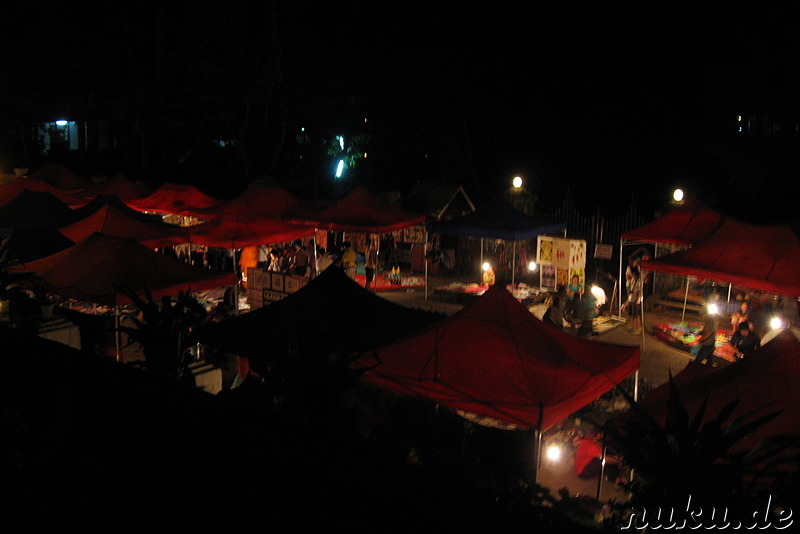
pixel 517 182
pixel 340 168
pixel 553 453
pixel 677 195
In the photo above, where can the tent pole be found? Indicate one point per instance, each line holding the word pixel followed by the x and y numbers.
pixel 641 314
pixel 425 261
pixel 602 466
pixel 538 458
pixel 235 285
pixel 116 332
pixel 619 302
pixel 636 386
pixel 314 243
pixel 513 261
pixel 480 267
pixel 729 292
pixel 685 298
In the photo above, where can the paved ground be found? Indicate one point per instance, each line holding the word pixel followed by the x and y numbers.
pixel 657 361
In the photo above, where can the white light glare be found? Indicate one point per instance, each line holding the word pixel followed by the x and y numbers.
pixel 486 266
pixel 712 309
pixel 554 453
pixel 532 266
pixel 517 182
pixel 599 294
pixel 340 168
pixel 775 323
pixel 61 123
pixel 677 195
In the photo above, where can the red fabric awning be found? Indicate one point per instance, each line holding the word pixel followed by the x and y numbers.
pixel 126 190
pixel 176 199
pixel 689 224
pixel 111 221
pixel 361 211
pixel 764 258
pixel 95 268
pixel 260 202
pixel 766 381
pixel 239 233
pixel 496 359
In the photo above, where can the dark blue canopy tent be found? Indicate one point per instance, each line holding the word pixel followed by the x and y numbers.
pixel 498 219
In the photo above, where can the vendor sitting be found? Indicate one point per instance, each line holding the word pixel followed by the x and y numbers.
pixel 745 341
pixel 574 286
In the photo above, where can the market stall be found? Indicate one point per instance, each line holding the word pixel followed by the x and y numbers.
pixel 360 214
pixel 688 224
pixel 110 220
pixel 498 220
pixel 495 360
pixel 91 275
pixel 178 203
pixel 759 257
pixel 311 318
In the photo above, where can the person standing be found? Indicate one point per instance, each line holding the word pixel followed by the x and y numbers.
pixel 324 260
pixel 300 258
pixel 740 316
pixel 707 342
pixel 371 263
pixel 349 260
pixel 634 303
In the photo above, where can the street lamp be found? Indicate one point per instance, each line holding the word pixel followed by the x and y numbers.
pixel 677 195
pixel 517 182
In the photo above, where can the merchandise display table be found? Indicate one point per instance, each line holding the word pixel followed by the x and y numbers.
pixel 684 335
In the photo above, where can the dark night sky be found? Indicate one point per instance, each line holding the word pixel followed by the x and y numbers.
pixel 606 103
pixel 602 102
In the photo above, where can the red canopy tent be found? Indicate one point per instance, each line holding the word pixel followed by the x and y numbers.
pixel 262 203
pixel 361 211
pixel 496 359
pixel 236 233
pixel 73 198
pixel 124 189
pixel 687 225
pixel 764 258
pixel 62 178
pixel 93 270
pixel 10 190
pixel 766 381
pixel 112 221
pixel 175 199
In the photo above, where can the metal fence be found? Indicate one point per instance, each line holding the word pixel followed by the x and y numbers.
pixel 596 229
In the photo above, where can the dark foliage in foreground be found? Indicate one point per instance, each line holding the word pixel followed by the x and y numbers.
pixel 695 455
pixel 99 445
